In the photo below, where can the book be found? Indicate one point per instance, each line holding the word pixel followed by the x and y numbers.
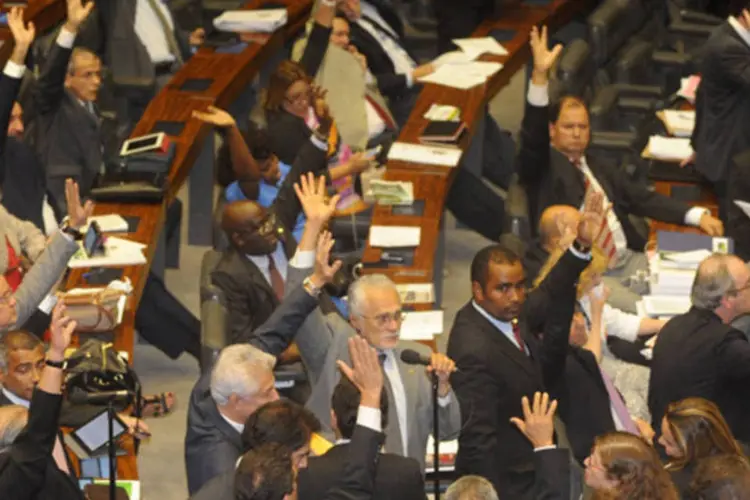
pixel 443 132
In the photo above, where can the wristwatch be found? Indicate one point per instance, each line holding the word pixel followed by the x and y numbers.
pixel 310 287
pixel 579 247
pixel 70 230
pixel 56 364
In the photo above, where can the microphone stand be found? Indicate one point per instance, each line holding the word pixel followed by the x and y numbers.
pixel 111 449
pixel 435 438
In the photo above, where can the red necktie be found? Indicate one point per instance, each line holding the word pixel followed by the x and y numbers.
pixel 382 113
pixel 517 335
pixel 277 282
pixel 14 272
pixel 604 239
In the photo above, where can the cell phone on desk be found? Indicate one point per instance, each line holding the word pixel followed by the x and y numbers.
pixel 93 242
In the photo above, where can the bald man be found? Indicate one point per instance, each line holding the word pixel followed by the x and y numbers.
pixel 554 223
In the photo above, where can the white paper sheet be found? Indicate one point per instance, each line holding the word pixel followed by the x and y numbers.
pixel 422 325
pixel 395 236
pixel 478 46
pixel 688 87
pixel 117 252
pixel 454 57
pixel 416 293
pixel 669 148
pixel 111 223
pixel 744 206
pixel 666 305
pixel 681 123
pixel 449 76
pixel 690 257
pixel 429 155
pixel 241 21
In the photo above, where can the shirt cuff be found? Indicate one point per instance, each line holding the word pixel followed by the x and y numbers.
pixel 370 418
pixel 66 235
pixel 14 70
pixel 580 255
pixel 318 143
pixel 538 95
pixel 409 79
pixel 66 39
pixel 693 216
pixel 444 401
pixel 543 448
pixel 303 259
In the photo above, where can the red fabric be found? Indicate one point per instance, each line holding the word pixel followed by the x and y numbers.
pixel 517 335
pixel 14 274
pixel 383 114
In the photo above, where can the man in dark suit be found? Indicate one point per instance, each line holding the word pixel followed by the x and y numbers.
pixel 270 473
pixel 699 354
pixel 499 361
pixel 69 140
pixel 217 412
pixel 33 466
pixel 738 225
pixel 396 477
pixel 722 103
pixel 554 168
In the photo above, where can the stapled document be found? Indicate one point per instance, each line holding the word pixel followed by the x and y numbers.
pixel 430 155
pixel 422 325
pixel 395 236
pixel 243 21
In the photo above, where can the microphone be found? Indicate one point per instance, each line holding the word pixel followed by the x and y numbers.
pixel 96 398
pixel 412 357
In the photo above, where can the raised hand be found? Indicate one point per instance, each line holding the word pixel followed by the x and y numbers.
pixel 538 420
pixel 216 117
pixel 365 372
pixel 23 33
pixel 324 271
pixel 590 222
pixel 567 232
pixel 320 106
pixel 77 14
pixel 542 56
pixel 598 297
pixel 359 162
pixel 197 36
pixel 61 330
pixel 312 197
pixel 77 214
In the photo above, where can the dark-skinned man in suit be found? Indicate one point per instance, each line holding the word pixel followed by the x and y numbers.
pixel 499 361
pixel 555 170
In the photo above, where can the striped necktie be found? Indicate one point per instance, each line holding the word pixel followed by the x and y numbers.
pixel 605 239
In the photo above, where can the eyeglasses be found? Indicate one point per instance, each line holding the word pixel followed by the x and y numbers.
pixel 296 97
pixel 266 226
pixel 384 319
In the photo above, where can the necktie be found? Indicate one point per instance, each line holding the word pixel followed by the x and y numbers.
pixel 277 282
pixel 604 239
pixel 174 47
pixel 618 405
pixel 393 441
pixel 517 335
pixel 384 114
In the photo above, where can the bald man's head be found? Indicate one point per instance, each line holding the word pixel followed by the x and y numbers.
pixel 553 221
pixel 251 228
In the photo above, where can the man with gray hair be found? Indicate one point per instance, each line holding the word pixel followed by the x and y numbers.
pixel 699 354
pixel 471 487
pixel 376 315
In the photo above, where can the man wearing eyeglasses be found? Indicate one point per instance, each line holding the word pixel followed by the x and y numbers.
pixel 376 315
pixel 699 354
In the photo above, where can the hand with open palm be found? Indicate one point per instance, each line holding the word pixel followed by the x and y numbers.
pixel 543 57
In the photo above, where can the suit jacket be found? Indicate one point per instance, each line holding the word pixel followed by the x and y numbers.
pixel 27 469
pixel 69 140
pixel 699 356
pixel 551 179
pixel 23 236
pixel 212 446
pixel 738 225
pixel 552 469
pixel 494 375
pixel 250 298
pixel 534 258
pixel 722 103
pixel 111 34
pixel 323 339
pixel 42 276
pixel 396 477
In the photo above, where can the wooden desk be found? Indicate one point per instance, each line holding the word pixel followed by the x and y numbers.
pixel 431 183
pixel 229 75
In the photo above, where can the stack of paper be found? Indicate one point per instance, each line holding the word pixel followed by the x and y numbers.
pixel 463 76
pixel 244 21
pixel 429 155
pixel 422 325
pixel 660 306
pixel 117 252
pixel 392 192
pixel 669 280
pixel 669 148
pixel 678 123
pixel 416 293
pixel 474 47
pixel 395 236
pixel 688 87
pixel 443 113
pixel 111 223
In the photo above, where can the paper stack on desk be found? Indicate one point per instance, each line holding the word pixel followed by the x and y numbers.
pixel 669 148
pixel 462 76
pixel 678 123
pixel 475 47
pixel 392 192
pixel 118 252
pixel 111 223
pixel 430 155
pixel 395 236
pixel 245 21
pixel 421 325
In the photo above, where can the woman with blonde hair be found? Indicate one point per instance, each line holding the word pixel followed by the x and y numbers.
pixel 693 429
pixel 623 466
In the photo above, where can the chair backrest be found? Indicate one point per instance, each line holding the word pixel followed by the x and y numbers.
pixel 575 71
pixel 517 230
pixel 611 25
pixel 214 332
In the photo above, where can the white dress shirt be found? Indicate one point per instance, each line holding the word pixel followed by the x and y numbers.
pixel 279 259
pixel 734 23
pixel 16 400
pixel 616 323
pixel 390 367
pixel 503 327
pixel 538 95
pixel 238 427
pixel 403 64
pixel 150 31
